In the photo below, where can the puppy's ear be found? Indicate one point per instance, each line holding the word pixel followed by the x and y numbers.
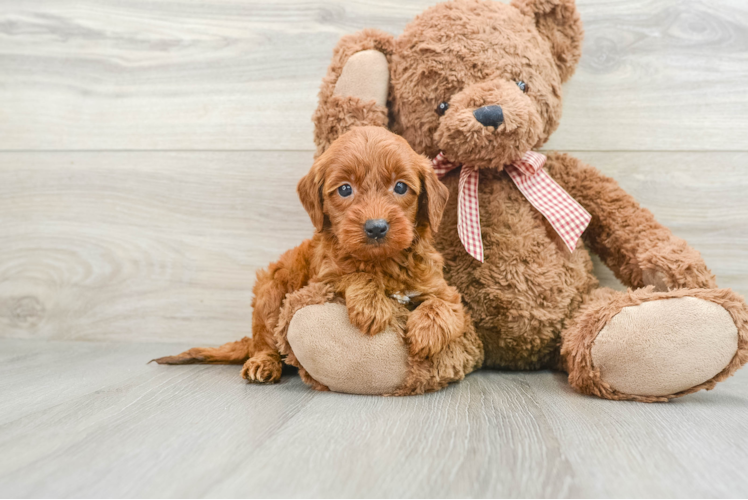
pixel 558 22
pixel 433 197
pixel 310 192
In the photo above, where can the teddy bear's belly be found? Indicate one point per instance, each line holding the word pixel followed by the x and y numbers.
pixel 526 289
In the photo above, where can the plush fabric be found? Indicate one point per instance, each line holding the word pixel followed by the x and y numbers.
pixel 342 358
pixel 664 346
pixel 365 76
pixel 533 303
pixel 602 306
pixel 341 113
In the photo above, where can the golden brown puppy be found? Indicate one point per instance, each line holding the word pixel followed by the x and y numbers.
pixel 374 203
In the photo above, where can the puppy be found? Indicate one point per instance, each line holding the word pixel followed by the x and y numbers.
pixel 374 203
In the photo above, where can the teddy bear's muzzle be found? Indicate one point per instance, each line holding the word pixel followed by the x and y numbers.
pixel 488 125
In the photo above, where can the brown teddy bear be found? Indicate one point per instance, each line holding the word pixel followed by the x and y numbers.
pixel 476 85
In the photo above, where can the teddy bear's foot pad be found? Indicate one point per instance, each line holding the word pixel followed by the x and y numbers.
pixel 663 347
pixel 338 355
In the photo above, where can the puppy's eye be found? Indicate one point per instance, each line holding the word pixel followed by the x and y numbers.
pixel 401 188
pixel 522 86
pixel 442 108
pixel 345 190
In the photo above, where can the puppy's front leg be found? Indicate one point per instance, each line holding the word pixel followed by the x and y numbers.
pixel 369 308
pixel 435 323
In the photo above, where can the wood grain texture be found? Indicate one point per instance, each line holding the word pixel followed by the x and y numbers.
pixel 239 75
pixel 164 246
pixel 633 450
pixel 142 245
pixel 81 419
pixel 140 238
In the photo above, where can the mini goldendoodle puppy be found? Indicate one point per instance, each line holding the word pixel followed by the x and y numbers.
pixel 374 203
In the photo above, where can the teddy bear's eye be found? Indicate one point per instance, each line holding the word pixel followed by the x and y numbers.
pixel 522 86
pixel 442 108
pixel 345 190
pixel 401 188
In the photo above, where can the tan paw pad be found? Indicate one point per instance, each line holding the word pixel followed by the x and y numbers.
pixel 663 347
pixel 339 356
pixel 366 75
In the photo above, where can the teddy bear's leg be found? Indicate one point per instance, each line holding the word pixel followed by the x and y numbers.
pixel 653 346
pixel 315 335
pixel 354 91
pixel 341 357
pixel 336 355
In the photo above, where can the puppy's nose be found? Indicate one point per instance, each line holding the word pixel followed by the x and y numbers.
pixel 376 228
pixel 489 116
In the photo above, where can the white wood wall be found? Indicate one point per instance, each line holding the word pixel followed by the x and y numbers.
pixel 149 149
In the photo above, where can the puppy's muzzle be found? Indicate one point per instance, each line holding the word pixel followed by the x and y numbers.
pixel 376 229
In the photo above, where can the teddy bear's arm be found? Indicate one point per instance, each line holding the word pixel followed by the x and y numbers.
pixel 354 94
pixel 625 236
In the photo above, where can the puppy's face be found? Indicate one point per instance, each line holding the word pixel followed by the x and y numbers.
pixel 373 193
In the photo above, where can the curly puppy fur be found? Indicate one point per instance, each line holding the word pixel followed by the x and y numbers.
pixel 528 298
pixel 342 261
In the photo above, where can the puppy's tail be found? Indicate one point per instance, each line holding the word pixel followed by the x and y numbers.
pixel 233 353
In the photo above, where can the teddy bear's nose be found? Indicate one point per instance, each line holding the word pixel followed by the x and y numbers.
pixel 489 116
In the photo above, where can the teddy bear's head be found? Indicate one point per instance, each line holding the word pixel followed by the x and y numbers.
pixel 480 80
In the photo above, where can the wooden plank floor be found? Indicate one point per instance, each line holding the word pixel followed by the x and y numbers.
pixel 84 419
pixel 149 153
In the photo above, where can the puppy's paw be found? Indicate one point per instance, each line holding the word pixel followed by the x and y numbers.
pixel 371 317
pixel 425 340
pixel 263 369
pixel 432 326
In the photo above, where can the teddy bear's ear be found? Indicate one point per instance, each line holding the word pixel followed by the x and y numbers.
pixel 558 22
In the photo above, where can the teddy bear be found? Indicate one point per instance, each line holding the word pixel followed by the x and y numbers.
pixel 476 85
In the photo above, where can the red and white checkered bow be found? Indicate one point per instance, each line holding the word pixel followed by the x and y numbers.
pixel 567 217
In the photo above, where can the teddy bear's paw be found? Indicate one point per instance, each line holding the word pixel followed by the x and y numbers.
pixel 655 278
pixel 340 356
pixel 366 75
pixel 665 347
pixel 262 369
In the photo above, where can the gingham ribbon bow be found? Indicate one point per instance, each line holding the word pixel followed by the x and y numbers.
pixel 568 218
